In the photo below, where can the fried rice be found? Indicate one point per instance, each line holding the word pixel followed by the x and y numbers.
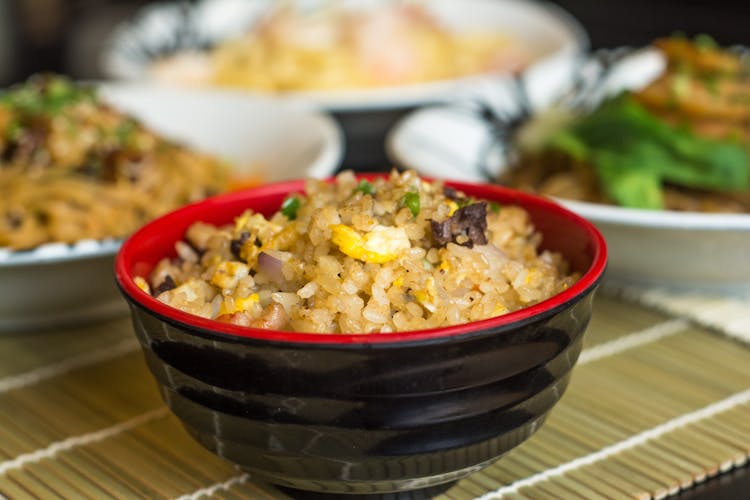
pixel 391 254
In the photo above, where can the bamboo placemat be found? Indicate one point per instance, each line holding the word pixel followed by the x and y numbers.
pixel 657 403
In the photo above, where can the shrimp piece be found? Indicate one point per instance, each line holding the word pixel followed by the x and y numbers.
pixel 273 317
pixel 385 46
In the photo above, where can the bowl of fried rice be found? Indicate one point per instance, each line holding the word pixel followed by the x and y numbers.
pixel 361 334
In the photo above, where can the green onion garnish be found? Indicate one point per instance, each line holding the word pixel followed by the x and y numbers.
pixel 290 207
pixel 365 187
pixel 411 201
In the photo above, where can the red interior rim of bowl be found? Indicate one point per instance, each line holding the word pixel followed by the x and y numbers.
pixel 581 241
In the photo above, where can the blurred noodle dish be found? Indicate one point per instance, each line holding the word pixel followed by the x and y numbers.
pixel 680 143
pixel 334 48
pixel 74 168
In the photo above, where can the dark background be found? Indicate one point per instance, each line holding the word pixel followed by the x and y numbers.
pixel 66 35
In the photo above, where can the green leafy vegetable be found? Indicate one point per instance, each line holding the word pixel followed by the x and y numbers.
pixel 411 201
pixel 634 152
pixel 290 206
pixel 464 202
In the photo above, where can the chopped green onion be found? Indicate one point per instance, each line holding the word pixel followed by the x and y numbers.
pixel 290 206
pixel 464 202
pixel 494 207
pixel 411 201
pixel 365 187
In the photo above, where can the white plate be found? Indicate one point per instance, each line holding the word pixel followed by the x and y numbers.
pixel 548 31
pixel 59 284
pixel 673 249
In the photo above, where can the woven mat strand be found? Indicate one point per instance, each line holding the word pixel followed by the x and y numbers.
pixel 657 404
pixel 726 314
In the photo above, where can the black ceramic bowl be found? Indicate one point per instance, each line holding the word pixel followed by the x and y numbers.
pixel 361 413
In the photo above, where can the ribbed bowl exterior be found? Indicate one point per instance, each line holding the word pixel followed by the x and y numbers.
pixel 364 418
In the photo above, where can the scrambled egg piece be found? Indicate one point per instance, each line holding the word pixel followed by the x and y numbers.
pixel 241 304
pixel 427 296
pixel 380 245
pixel 499 309
pixel 453 207
pixel 256 224
pixel 142 284
pixel 228 273
pixel 282 239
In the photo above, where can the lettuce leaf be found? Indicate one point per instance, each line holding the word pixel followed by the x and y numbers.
pixel 634 153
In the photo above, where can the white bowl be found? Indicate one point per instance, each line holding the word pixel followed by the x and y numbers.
pixel 680 250
pixel 57 284
pixel 273 138
pixel 553 35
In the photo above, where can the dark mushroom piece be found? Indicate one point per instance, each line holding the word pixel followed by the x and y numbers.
pixel 466 227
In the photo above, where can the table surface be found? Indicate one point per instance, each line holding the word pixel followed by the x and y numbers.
pixel 658 405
